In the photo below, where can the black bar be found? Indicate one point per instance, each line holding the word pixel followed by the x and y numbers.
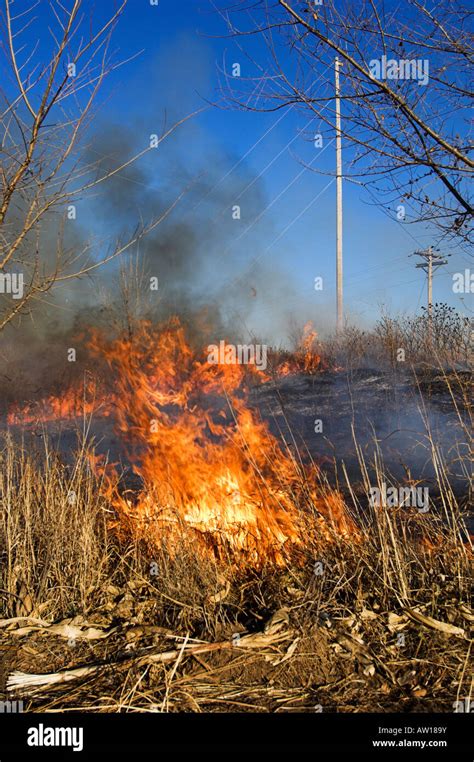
pixel 436 735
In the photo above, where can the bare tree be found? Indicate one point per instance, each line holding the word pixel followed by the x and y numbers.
pixel 405 87
pixel 45 108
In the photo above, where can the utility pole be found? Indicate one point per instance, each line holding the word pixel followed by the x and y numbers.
pixel 432 262
pixel 430 285
pixel 340 308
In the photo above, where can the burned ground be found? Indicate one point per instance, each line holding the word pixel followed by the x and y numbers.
pixel 374 622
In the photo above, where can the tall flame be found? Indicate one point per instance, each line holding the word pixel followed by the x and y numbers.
pixel 205 460
pixel 207 465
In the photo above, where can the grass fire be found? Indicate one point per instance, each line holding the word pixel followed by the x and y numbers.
pixel 236 369
pixel 190 507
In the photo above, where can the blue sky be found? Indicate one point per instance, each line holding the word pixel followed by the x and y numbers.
pixel 181 47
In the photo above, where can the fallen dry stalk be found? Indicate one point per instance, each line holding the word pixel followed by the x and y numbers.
pixel 435 624
pixel 21 681
pixel 67 629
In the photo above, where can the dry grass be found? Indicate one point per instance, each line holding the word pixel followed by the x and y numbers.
pixel 444 340
pixel 104 622
pixel 54 539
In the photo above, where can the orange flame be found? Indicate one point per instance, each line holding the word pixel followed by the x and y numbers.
pixel 205 460
pixel 85 399
pixel 207 464
pixel 305 359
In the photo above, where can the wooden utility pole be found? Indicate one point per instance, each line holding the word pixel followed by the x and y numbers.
pixel 430 284
pixel 340 307
pixel 432 261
